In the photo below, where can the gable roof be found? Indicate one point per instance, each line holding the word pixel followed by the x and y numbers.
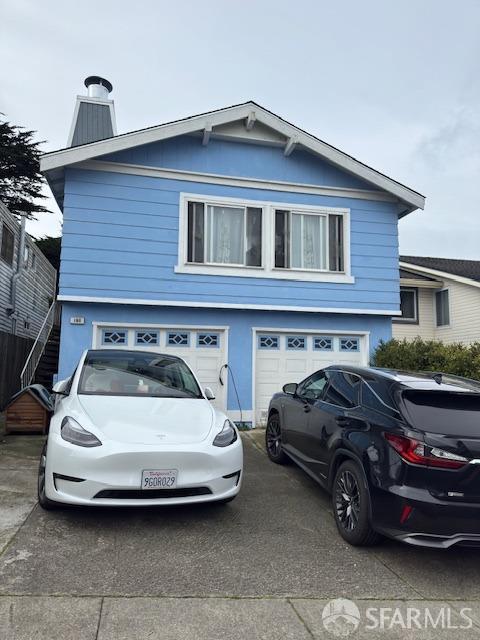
pixel 52 163
pixel 461 270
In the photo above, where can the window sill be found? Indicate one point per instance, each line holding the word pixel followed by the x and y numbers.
pixel 260 272
pixel 406 321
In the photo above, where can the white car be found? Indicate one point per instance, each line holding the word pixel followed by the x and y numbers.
pixel 135 428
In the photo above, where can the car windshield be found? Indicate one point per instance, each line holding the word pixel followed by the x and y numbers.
pixel 137 374
pixel 442 412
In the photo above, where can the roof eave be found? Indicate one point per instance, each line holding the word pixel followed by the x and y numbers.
pixel 411 200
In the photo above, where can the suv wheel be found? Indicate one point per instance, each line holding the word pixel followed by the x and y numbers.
pixel 273 440
pixel 351 506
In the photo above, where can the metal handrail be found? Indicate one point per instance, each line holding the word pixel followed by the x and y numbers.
pixel 31 364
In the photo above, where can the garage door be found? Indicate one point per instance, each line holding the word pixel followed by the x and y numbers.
pixel 290 357
pixel 204 350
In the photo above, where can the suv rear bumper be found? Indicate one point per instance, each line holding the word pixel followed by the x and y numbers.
pixel 416 517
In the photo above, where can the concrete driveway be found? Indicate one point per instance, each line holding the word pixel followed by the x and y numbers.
pixel 263 566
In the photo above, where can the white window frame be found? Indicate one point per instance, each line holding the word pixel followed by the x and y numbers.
pixel 442 326
pixel 415 319
pixel 268 269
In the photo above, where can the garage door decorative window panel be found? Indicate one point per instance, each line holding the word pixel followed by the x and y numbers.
pixel 147 338
pixel 268 342
pixel 178 339
pixel 296 342
pixel 211 340
pixel 349 344
pixel 114 336
pixel 323 343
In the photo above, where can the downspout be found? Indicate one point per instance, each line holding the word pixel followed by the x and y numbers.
pixel 17 274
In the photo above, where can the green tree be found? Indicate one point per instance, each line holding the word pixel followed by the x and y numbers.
pixel 20 179
pixel 50 247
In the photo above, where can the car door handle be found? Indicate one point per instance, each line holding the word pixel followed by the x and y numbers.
pixel 307 407
pixel 342 421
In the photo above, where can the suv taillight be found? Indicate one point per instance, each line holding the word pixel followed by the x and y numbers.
pixel 417 452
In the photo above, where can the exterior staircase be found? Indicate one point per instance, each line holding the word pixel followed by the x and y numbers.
pixel 48 364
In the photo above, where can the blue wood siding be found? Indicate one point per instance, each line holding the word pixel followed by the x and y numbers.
pixel 239 159
pixel 120 239
pixel 77 338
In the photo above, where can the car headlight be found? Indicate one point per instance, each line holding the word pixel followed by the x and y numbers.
pixel 227 435
pixel 72 432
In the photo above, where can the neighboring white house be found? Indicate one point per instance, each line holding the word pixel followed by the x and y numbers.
pixel 440 300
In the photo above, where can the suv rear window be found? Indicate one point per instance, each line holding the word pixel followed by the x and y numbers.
pixel 443 412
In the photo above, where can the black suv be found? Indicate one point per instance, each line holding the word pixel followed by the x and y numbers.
pixel 399 451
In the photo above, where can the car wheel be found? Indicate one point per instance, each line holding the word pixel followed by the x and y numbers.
pixel 273 440
pixel 351 506
pixel 43 501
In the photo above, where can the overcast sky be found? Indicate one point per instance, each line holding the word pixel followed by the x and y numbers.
pixel 395 84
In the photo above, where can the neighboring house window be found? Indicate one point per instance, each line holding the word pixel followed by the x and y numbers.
pixel 229 235
pixel 442 308
pixel 408 305
pixel 308 241
pixel 26 255
pixel 7 247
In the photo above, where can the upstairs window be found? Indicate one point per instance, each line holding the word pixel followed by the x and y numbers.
pixel 226 235
pixel 8 244
pixel 308 241
pixel 442 308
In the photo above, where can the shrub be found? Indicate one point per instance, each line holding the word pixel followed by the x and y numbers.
pixel 430 355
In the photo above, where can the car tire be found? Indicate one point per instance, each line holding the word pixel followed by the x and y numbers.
pixel 351 506
pixel 273 440
pixel 43 501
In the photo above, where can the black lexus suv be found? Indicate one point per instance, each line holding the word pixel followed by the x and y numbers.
pixel 398 451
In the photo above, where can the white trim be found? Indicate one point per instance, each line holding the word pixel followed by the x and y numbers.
pixel 56 159
pixel 268 269
pixel 226 305
pixel 233 181
pixel 290 146
pixel 335 332
pixel 442 274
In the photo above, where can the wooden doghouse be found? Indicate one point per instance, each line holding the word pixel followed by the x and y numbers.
pixel 29 411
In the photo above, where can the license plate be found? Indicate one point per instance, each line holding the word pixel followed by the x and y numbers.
pixel 159 478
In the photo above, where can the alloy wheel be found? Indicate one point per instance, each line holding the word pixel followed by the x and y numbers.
pixel 274 437
pixel 347 500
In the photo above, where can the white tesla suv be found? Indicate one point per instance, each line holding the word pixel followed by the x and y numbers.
pixel 135 428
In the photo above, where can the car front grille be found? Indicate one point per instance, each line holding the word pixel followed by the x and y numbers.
pixel 151 494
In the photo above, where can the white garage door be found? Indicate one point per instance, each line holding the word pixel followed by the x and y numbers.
pixel 290 357
pixel 204 350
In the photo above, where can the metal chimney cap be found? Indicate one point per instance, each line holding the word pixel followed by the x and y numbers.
pixel 98 80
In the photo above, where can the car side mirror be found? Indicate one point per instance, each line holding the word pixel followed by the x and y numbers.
pixel 59 388
pixel 209 394
pixel 290 388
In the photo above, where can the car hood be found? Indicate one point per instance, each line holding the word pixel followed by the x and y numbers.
pixel 149 420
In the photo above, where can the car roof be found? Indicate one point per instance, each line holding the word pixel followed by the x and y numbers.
pixel 420 380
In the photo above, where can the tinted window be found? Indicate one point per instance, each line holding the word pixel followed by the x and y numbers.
pixel 373 401
pixel 441 412
pixel 343 390
pixel 312 388
pixel 137 374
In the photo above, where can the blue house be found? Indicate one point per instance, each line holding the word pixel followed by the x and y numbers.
pixel 230 238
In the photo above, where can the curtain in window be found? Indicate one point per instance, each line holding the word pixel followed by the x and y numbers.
pixel 309 242
pixel 225 240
